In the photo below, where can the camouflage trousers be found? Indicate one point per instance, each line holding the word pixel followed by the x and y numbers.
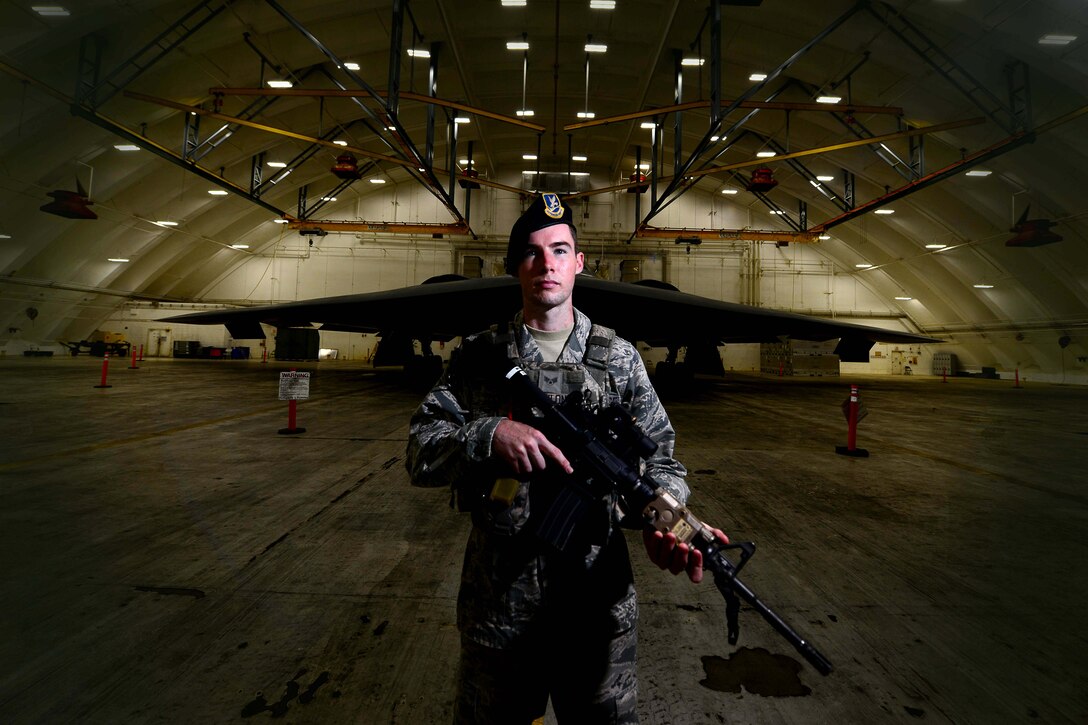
pixel 591 679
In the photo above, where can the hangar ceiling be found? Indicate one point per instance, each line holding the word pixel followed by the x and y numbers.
pixel 136 71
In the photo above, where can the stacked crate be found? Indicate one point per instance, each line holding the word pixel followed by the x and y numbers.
pixel 799 357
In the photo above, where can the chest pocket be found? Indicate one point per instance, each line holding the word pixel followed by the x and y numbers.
pixel 591 376
pixel 559 380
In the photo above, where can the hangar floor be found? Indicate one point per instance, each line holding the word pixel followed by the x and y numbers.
pixel 167 557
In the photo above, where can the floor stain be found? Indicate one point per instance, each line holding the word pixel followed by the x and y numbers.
pixel 757 671
pixel 173 591
pixel 290 691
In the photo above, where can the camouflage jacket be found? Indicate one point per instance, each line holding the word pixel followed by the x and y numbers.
pixel 507 571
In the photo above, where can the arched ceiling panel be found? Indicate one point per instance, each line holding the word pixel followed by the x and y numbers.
pixel 44 148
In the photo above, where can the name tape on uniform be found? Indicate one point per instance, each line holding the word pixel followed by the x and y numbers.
pixel 294 386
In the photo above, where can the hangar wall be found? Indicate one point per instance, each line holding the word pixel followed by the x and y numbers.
pixel 282 265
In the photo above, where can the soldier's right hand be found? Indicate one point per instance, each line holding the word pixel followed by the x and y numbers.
pixel 525 449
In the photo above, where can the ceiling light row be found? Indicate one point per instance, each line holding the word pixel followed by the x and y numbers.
pixel 524 45
pixel 533 157
pixel 1056 39
pixel 593 4
pixel 50 10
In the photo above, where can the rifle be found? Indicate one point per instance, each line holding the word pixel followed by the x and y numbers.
pixel 605 442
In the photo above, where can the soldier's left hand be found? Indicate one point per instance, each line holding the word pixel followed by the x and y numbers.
pixel 668 554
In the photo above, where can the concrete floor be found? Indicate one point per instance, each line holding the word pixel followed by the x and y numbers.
pixel 167 557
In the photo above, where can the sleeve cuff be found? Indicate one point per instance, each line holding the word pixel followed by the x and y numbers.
pixel 478 437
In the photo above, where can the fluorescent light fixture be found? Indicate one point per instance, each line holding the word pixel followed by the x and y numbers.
pixel 1055 39
pixel 239 246
pixel 328 198
pixel 814 183
pixel 217 192
pixel 126 147
pixel 579 158
pixel 825 178
pixel 277 164
pixel 528 157
pixel 164 223
pixel 863 265
pixel 757 77
pixel 766 154
pixel 596 48
pixel 579 173
pixel 586 114
pixel 984 286
pixel 602 4
pixel 517 45
pixel 692 62
pixel 649 125
pixel 824 237
pixel 279 221
pixel 729 191
pixel 350 66
pixel 377 181
pixel 419 53
pixel 280 84
pixel 978 172
pixel 715 138
pixel 51 11
pixel 283 175
pixel 904 299
pixel 884 211
pixel 390 128
pixel 828 99
pixel 936 246
pixel 524 112
pixel 643 167
pixel 5 236
pixel 340 142
pixel 463 162
pixel 513 3
pixel 462 119
pixel 776 212
pixel 116 259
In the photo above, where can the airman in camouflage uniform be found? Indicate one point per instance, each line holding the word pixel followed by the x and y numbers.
pixel 536 620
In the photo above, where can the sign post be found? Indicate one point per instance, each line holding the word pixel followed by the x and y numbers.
pixel 854 412
pixel 294 386
pixel 105 371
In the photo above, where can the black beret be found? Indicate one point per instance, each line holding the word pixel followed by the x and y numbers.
pixel 545 211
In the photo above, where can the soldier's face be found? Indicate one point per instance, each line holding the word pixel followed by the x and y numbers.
pixel 548 269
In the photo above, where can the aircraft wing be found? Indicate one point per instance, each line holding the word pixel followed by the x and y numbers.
pixel 656 315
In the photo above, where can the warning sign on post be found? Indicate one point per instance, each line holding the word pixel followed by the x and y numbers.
pixel 294 386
